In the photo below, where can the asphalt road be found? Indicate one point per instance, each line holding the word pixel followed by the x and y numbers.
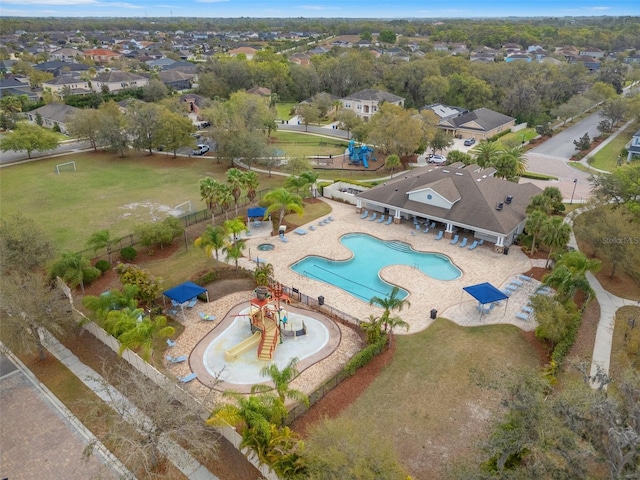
pixel 561 144
pixel 70 147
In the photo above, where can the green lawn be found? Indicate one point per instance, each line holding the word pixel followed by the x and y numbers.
pixel 105 192
pixel 301 144
pixel 427 401
pixel 607 157
pixel 284 110
pixel 516 138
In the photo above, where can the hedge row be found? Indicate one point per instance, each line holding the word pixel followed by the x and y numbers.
pixel 365 355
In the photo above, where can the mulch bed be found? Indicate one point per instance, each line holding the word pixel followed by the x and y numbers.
pixel 347 392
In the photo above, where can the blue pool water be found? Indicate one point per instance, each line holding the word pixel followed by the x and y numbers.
pixel 360 275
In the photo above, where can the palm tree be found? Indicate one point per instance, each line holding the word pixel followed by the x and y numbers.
pixel 251 182
pixel 101 239
pixel 534 224
pixel 392 162
pixel 393 322
pixel 282 201
pixel 373 329
pixel 233 251
pixel 211 240
pixel 540 202
pixel 485 153
pixel 390 302
pixel 224 198
pixel 209 192
pixel 296 183
pixel 281 380
pixel 141 334
pixel 74 268
pixel 518 155
pixel 101 305
pixel 235 179
pixel 555 234
pixel 566 283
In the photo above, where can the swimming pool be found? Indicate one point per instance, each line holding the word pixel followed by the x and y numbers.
pixel 360 275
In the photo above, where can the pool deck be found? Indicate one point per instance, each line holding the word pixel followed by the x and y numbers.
pixel 447 297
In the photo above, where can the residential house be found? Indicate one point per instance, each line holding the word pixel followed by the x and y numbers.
pixel 518 57
pixel 10 85
pixel 60 67
pixel 101 56
pixel 365 102
pixel 193 102
pixel 632 58
pixel 480 124
pixel 592 52
pixel 260 91
pixel 51 115
pixel 443 112
pixel 6 66
pixel 457 198
pixel 67 85
pixel 589 63
pixel 633 147
pixel 117 80
pixel 177 80
pixel 329 99
pixel 248 52
pixel 300 58
pixel 66 54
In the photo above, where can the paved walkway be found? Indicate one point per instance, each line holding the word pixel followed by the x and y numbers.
pixel 182 459
pixel 609 305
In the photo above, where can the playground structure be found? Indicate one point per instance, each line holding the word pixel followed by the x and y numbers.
pixel 268 322
pixel 359 155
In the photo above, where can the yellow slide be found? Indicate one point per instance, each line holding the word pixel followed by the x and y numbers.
pixel 242 347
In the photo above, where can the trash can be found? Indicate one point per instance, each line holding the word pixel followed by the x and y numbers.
pixel 320 300
pixel 434 313
pixel 506 251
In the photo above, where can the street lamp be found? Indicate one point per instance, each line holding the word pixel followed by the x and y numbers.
pixel 575 183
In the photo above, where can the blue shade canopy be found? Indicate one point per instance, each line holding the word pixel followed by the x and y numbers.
pixel 256 212
pixel 184 292
pixel 485 293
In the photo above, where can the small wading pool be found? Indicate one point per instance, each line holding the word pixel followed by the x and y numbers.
pixel 265 247
pixel 360 275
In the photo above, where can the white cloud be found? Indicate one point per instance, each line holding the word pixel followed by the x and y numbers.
pixel 211 1
pixel 599 8
pixel 52 2
pixel 317 7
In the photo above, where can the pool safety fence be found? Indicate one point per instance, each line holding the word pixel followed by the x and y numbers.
pixel 320 304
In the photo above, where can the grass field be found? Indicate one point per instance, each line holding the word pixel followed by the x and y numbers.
pixel 427 400
pixel 284 110
pixel 607 157
pixel 300 144
pixel 106 192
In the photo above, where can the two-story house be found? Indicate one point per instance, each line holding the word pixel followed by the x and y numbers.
pixel 365 103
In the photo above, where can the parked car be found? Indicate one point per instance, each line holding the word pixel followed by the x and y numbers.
pixel 469 141
pixel 438 160
pixel 201 149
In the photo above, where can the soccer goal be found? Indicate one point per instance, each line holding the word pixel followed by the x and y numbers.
pixel 183 208
pixel 68 166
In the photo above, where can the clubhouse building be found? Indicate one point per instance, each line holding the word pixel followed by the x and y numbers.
pixel 458 199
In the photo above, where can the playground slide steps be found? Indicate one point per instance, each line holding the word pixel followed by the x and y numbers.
pixel 268 342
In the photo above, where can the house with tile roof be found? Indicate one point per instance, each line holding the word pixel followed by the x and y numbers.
pixel 365 103
pixel 457 198
pixel 633 147
pixel 101 55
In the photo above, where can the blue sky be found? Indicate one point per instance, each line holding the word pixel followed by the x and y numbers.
pixel 317 8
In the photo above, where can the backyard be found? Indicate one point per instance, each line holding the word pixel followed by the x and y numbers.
pixel 306 145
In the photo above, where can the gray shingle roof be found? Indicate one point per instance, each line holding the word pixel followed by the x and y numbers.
pixel 480 119
pixel 57 112
pixel 375 95
pixel 473 192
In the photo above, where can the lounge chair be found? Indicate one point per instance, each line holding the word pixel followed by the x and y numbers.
pixel 524 278
pixel 426 228
pixel 389 220
pixel 526 309
pixel 192 303
pixel 481 242
pixel 312 227
pixel 463 243
pixel 188 378
pixel 180 359
pixel 522 316
pixel 473 245
pixel 283 239
pixel 433 225
pixel 205 316
pixel 171 343
pixel 365 214
pixel 381 219
pixel 373 216
pixel 440 234
pixel 330 218
pixel 455 240
pixel 506 292
pixel 300 231
pixel 517 282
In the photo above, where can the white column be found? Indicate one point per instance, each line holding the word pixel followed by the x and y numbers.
pixel 449 228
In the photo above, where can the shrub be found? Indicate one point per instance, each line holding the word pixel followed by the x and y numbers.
pixel 91 275
pixel 129 254
pixel 365 355
pixel 103 265
pixel 205 278
pixel 538 176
